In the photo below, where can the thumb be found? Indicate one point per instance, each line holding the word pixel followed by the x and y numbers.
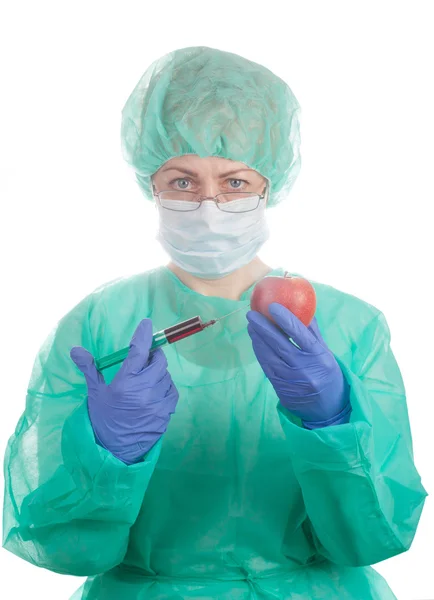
pixel 85 362
pixel 313 327
pixel 140 345
pixel 293 327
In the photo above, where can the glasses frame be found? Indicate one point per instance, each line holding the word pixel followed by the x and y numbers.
pixel 214 199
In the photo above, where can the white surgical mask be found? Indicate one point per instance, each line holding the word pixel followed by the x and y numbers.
pixel 210 243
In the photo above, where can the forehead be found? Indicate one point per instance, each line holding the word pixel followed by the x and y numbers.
pixel 215 164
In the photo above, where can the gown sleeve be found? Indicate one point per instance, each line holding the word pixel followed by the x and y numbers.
pixel 69 504
pixel 362 492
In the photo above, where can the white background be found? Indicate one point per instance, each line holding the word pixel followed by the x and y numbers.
pixel 359 217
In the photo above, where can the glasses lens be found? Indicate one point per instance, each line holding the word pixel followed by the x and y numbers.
pixel 180 201
pixel 238 202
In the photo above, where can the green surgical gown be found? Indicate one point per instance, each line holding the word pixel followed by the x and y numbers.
pixel 236 501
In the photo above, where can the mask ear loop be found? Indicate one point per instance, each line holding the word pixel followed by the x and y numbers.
pixel 153 190
pixel 266 192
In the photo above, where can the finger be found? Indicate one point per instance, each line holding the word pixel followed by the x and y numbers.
pixel 313 327
pixel 138 354
pixel 158 399
pixel 259 320
pixel 253 316
pixel 265 327
pixel 171 397
pixel 271 361
pixel 86 363
pixel 261 349
pixel 276 343
pixel 152 374
pixel 293 327
pixel 156 368
pixel 273 333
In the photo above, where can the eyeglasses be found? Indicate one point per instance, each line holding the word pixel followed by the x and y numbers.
pixel 232 202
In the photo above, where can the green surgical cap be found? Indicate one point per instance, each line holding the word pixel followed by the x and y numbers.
pixel 204 101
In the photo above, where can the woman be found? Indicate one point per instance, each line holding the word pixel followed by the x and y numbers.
pixel 235 464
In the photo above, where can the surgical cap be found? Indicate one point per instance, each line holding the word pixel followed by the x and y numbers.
pixel 204 101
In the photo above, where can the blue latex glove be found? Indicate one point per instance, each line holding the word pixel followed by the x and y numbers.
pixel 308 379
pixel 130 414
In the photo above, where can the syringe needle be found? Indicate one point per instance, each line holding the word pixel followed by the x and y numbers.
pixel 231 313
pixel 169 335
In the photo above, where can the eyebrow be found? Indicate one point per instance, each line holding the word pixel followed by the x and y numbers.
pixel 193 174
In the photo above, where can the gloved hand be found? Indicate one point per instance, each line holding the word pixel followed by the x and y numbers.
pixel 130 414
pixel 308 381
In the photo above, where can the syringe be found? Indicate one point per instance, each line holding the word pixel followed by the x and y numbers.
pixel 161 338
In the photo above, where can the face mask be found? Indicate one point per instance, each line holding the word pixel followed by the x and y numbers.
pixel 210 243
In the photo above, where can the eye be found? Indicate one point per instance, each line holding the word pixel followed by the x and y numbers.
pixel 238 181
pixel 183 181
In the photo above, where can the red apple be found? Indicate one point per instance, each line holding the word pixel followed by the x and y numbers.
pixel 295 293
